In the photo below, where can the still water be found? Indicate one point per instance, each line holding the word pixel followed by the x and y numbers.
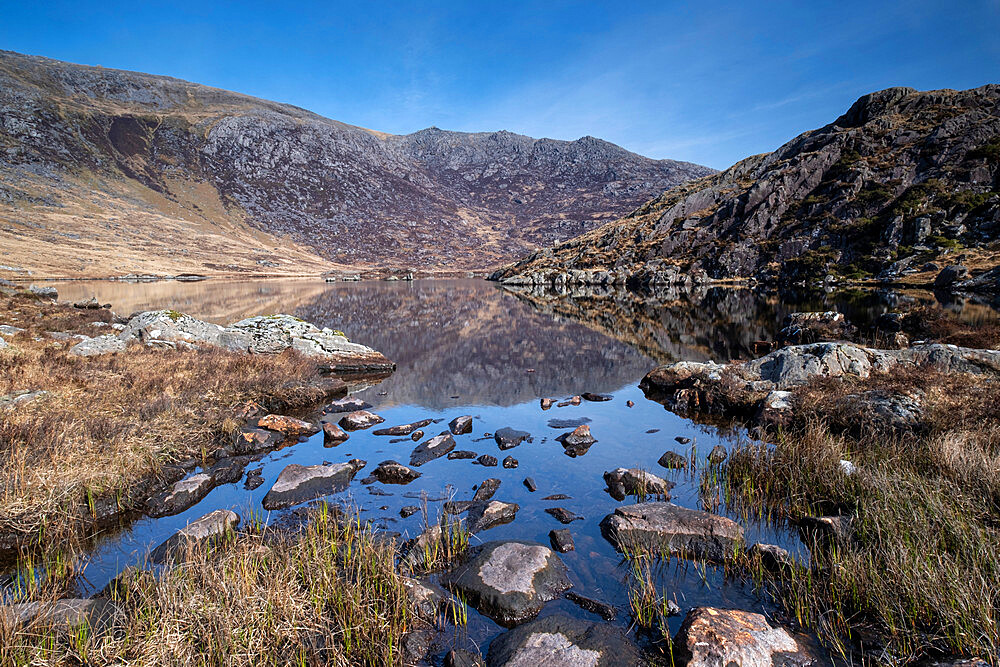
pixel 468 347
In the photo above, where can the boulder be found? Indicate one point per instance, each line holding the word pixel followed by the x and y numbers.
pixel 562 515
pixel 510 581
pixel 488 514
pixel 461 454
pixel 673 460
pixel 508 438
pixel 460 425
pixel 432 449
pixel 529 484
pixel 578 441
pixel 333 435
pixel 950 275
pixel 635 482
pixel 44 292
pixel 663 528
pixel 170 326
pixel 510 462
pixel 391 472
pixel 289 426
pixel 487 460
pixel 710 637
pixel 252 440
pixel 87 304
pixel 93 347
pixel 360 419
pixel 210 526
pixel 546 403
pixel 298 483
pixel 181 495
pixel 595 398
pixel 427 598
pixel 404 429
pixel 559 640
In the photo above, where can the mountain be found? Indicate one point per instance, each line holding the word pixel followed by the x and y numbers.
pixel 110 171
pixel 902 184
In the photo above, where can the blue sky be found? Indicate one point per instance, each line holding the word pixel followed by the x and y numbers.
pixel 709 82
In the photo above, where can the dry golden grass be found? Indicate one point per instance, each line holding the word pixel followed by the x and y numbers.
pixel 108 423
pixel 917 576
pixel 329 595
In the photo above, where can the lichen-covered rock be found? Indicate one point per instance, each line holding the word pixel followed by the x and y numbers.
pixel 92 347
pixel 662 528
pixel 510 581
pixel 289 426
pixel 710 637
pixel 562 641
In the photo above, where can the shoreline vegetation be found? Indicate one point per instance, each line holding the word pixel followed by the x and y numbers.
pixel 899 508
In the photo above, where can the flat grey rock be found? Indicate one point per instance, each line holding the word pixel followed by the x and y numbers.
pixel 510 581
pixel 210 526
pixel 563 641
pixel 662 528
pixel 434 448
pixel 298 484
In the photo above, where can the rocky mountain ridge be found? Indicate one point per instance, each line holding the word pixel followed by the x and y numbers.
pixel 77 142
pixel 902 184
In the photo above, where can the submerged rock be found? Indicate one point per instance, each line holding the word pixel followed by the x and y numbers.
pixel 663 528
pixel 487 489
pixel 200 531
pixel 461 454
pixel 510 462
pixel 602 609
pixel 561 540
pixel 563 641
pixel 563 515
pixel 595 398
pixel 298 483
pixel 432 449
pixel 510 581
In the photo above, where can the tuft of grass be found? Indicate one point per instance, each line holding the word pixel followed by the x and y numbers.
pixel 328 595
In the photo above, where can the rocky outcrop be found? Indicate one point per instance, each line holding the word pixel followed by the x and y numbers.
pixel 562 641
pixel 895 182
pixel 270 334
pixel 745 388
pixel 662 528
pixel 510 581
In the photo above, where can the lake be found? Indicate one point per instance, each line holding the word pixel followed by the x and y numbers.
pixel 469 347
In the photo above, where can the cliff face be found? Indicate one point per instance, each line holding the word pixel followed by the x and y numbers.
pixel 902 180
pixel 154 147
